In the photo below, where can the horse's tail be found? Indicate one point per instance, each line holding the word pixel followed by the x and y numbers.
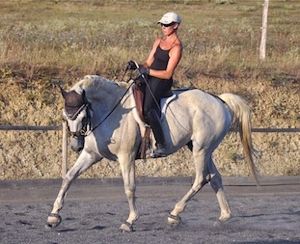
pixel 242 118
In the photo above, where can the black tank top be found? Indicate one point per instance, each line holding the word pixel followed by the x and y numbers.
pixel 161 59
pixel 160 87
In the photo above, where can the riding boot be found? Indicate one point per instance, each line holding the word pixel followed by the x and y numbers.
pixel 154 121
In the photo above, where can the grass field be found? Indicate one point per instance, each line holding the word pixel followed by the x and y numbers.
pixel 92 36
pixel 45 42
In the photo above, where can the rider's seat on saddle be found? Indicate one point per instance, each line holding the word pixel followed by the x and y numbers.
pixel 139 98
pixel 164 102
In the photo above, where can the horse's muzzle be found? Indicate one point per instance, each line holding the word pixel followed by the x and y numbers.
pixel 77 143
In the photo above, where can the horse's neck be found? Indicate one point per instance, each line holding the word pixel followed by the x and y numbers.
pixel 108 100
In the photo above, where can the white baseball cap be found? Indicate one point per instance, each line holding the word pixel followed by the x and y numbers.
pixel 169 18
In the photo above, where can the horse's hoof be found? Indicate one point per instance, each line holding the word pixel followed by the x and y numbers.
pixel 126 227
pixel 225 217
pixel 174 220
pixel 53 220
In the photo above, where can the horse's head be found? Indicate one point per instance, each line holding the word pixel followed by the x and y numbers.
pixel 76 114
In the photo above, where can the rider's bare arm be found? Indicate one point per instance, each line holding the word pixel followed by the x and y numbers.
pixel 150 58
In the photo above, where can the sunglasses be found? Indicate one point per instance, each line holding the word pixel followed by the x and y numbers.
pixel 166 25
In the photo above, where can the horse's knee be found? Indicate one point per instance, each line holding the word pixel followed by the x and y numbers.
pixel 71 174
pixel 130 192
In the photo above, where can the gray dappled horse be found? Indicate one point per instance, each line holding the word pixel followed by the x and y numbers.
pixel 105 114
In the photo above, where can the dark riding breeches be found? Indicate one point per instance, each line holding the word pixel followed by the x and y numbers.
pixel 159 89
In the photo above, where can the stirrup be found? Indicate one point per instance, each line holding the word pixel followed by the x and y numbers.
pixel 158 153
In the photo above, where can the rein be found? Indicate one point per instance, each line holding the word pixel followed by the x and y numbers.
pixel 87 105
pixel 113 109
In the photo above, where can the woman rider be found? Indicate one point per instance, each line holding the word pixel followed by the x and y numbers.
pixel 158 69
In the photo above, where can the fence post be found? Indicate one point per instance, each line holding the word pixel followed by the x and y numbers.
pixel 64 149
pixel 262 49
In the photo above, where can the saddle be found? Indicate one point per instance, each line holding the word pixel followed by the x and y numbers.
pixel 164 102
pixel 139 98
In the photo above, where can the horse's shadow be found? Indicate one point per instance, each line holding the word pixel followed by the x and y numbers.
pixel 267 214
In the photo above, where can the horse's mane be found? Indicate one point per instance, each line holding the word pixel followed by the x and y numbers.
pixel 95 85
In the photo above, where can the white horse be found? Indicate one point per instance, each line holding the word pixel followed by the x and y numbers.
pixel 106 114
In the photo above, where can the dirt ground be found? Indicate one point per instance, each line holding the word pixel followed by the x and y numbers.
pixel 94 210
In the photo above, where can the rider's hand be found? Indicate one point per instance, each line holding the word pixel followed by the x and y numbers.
pixel 131 65
pixel 143 70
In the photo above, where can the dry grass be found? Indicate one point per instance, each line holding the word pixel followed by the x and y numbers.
pixel 100 36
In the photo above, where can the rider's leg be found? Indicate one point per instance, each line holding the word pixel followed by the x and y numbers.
pixel 152 96
pixel 154 122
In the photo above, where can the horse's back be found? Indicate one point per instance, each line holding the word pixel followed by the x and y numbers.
pixel 198 114
pixel 198 100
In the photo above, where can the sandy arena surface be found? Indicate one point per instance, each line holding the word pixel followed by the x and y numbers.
pixel 94 210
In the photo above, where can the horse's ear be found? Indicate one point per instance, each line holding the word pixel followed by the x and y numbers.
pixel 62 91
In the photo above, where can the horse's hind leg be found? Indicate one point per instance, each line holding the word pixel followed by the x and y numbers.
pixel 84 161
pixel 217 185
pixel 201 164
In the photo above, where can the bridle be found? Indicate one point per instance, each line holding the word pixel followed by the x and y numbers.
pixel 86 121
pixel 82 107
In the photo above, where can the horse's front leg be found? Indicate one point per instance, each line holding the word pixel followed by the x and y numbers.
pixel 128 172
pixel 84 161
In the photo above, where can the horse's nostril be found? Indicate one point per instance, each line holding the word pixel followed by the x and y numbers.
pixel 77 143
pixel 76 149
